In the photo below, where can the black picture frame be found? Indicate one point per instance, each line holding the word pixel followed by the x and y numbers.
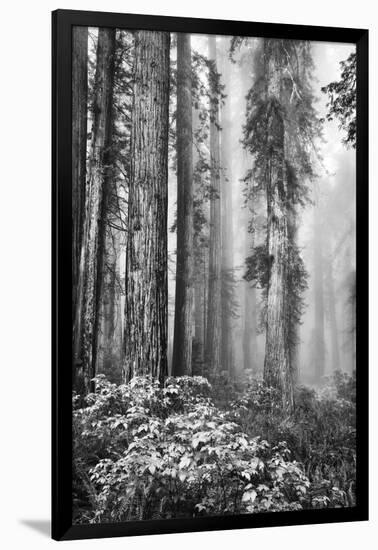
pixel 62 22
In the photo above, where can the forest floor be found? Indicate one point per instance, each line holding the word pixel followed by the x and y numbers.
pixel 191 448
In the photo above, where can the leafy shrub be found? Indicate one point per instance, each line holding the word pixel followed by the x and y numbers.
pixel 144 451
pixel 321 434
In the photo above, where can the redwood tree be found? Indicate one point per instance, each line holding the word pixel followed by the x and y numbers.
pixel 319 341
pixel 145 336
pixel 277 354
pixel 227 354
pixel 79 146
pixel 332 315
pixel 182 343
pixel 250 316
pixel 213 325
pixel 280 128
pixel 91 258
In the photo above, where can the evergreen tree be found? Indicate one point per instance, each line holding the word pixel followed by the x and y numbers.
pixel 182 343
pixel 92 251
pixel 227 267
pixel 109 356
pixel 213 325
pixel 342 99
pixel 79 146
pixel 279 131
pixel 145 336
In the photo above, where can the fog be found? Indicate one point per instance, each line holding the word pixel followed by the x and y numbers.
pixel 325 225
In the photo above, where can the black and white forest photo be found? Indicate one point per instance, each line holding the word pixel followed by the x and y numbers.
pixel 213 275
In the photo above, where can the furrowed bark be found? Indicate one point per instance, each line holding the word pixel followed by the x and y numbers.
pixel 110 336
pixel 91 259
pixel 198 318
pixel 79 147
pixel 250 316
pixel 277 370
pixel 182 342
pixel 146 313
pixel 198 273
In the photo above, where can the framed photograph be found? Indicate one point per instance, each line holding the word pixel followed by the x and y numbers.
pixel 210 282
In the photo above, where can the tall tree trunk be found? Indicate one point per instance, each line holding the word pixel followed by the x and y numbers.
pixel 353 321
pixel 213 337
pixel 205 279
pixel 91 259
pixel 110 359
pixel 293 323
pixel 249 341
pixel 277 371
pixel 333 317
pixel 199 260
pixel 110 293
pixel 353 305
pixel 79 147
pixel 182 340
pixel 348 285
pixel 249 329
pixel 198 318
pixel 250 316
pixel 146 310
pixel 227 359
pixel 319 344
